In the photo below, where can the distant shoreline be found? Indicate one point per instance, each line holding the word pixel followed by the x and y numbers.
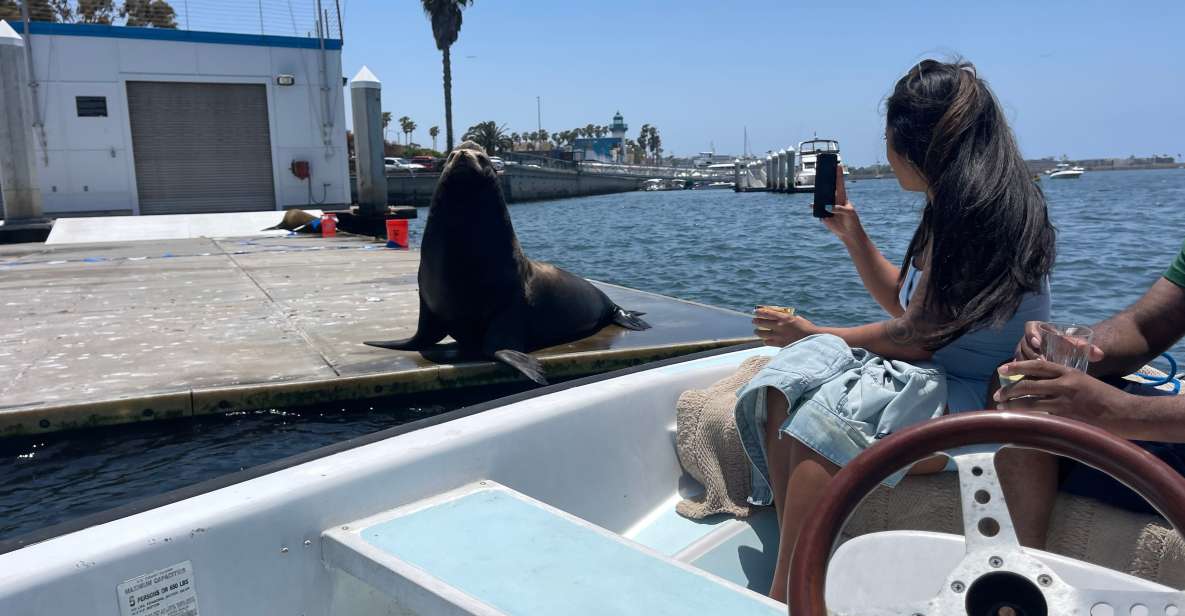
pixel 1162 166
pixel 1137 167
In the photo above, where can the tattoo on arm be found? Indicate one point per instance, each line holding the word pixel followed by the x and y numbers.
pixel 901 331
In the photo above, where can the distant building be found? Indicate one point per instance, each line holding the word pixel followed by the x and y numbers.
pixel 161 121
pixel 604 149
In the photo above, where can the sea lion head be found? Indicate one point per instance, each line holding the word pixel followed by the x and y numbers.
pixel 468 185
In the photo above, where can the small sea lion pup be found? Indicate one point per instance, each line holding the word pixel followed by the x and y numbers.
pixel 477 286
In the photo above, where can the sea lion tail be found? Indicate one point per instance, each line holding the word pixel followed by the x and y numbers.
pixel 630 319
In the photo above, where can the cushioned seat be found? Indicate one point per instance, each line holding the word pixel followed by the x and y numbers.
pixel 488 549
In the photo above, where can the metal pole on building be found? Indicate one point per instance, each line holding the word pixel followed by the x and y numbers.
pixel 367 106
pixel 538 115
pixel 18 166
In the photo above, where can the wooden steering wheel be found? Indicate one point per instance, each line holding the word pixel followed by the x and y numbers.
pixel 994 559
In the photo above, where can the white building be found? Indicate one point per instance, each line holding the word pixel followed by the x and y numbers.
pixel 157 121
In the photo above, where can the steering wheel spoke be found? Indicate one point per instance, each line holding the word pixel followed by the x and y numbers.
pixel 1094 602
pixel 986 521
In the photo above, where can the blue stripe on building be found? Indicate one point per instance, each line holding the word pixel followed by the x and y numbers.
pixel 187 36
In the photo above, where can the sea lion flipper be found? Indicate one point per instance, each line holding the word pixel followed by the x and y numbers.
pixel 429 331
pixel 529 366
pixel 506 341
pixel 630 319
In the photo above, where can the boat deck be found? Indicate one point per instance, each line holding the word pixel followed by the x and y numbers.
pixel 108 333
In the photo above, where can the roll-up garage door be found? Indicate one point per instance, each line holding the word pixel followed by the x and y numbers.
pixel 201 147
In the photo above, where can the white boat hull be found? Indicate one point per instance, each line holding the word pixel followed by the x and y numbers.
pixel 288 538
pixel 603 452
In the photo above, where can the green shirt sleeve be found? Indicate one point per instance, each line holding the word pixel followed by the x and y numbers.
pixel 1176 271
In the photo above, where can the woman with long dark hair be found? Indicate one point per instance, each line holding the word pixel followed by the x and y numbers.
pixel 975 271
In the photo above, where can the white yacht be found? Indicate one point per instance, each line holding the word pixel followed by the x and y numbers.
pixel 808 152
pixel 1065 172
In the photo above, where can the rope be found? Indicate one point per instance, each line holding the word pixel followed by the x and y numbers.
pixel 1157 381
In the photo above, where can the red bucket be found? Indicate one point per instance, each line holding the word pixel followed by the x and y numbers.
pixel 396 233
pixel 328 225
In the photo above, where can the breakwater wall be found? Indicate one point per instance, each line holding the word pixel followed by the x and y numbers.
pixel 519 183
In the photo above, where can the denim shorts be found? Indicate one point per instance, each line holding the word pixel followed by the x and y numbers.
pixel 841 400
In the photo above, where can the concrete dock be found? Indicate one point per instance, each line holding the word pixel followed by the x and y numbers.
pixel 108 333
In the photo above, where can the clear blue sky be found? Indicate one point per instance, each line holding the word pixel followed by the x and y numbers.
pixel 1085 79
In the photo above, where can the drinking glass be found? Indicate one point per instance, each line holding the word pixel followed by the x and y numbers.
pixel 1067 344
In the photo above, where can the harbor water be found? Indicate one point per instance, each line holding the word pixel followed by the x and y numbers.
pixel 1117 232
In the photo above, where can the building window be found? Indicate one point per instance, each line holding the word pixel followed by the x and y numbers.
pixel 91 106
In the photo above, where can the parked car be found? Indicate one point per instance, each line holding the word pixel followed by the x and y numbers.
pixel 498 164
pixel 399 164
pixel 428 162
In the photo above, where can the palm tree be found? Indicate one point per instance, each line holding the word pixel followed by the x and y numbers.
pixel 433 132
pixel 655 143
pixel 489 136
pixel 411 131
pixel 643 138
pixel 445 16
pixel 386 122
pixel 403 122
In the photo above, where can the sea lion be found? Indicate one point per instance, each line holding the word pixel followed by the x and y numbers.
pixel 477 286
pixel 299 221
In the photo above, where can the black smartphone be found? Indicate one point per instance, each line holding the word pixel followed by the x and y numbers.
pixel 826 166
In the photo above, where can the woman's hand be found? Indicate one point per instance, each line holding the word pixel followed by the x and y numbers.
pixel 779 329
pixel 845 223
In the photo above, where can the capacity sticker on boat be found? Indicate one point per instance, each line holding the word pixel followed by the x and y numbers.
pixel 168 592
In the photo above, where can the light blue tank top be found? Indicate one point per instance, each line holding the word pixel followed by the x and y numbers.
pixel 971 360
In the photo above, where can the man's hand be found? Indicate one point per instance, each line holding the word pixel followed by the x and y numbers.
pixel 1029 346
pixel 1063 391
pixel 776 328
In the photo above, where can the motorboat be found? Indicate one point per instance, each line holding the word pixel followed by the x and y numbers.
pixel 808 154
pixel 652 184
pixel 562 501
pixel 1064 171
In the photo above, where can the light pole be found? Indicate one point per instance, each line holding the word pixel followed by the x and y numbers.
pixel 538 117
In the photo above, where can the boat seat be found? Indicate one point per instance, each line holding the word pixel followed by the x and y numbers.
pixel 487 549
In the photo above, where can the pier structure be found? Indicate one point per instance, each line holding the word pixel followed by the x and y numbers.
pixel 791 170
pixel 367 108
pixel 782 169
pixel 529 178
pixel 107 333
pixel 750 176
pixel 774 173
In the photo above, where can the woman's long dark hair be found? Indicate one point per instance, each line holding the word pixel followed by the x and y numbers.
pixel 985 231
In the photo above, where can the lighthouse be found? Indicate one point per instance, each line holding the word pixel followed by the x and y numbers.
pixel 617 128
